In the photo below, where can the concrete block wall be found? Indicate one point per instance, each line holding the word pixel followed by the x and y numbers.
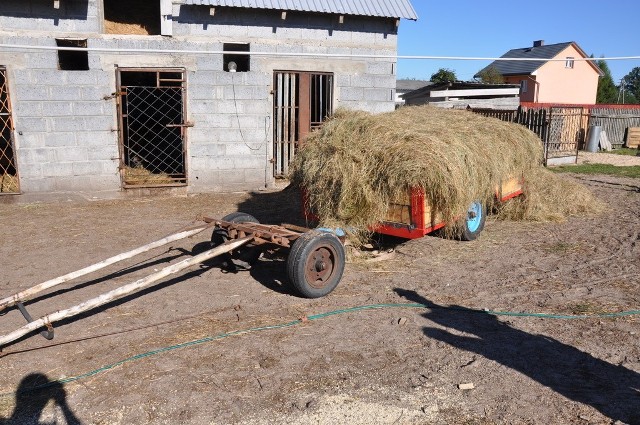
pixel 63 134
pixel 66 121
pixel 37 15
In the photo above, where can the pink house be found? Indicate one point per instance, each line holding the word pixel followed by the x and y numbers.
pixel 560 76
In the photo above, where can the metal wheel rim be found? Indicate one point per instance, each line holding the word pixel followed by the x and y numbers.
pixel 474 216
pixel 320 266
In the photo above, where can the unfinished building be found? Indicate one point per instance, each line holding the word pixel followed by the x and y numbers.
pixel 205 95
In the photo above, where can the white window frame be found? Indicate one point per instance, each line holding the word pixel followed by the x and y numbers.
pixel 569 62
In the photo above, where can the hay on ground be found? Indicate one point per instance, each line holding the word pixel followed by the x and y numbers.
pixel 550 197
pixel 358 163
pixel 141 176
pixel 9 183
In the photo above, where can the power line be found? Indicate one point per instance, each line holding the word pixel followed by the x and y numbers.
pixel 317 55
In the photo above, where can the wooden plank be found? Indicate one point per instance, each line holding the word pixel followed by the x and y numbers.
pixel 122 291
pixel 475 92
pixel 28 293
pixel 633 137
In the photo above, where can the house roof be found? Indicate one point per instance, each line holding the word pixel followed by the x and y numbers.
pixel 527 67
pixel 410 85
pixel 377 8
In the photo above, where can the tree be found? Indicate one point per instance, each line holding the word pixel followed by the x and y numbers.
pixel 631 83
pixel 607 90
pixel 444 75
pixel 491 75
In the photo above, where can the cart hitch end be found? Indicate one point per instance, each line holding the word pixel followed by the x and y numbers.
pixel 48 334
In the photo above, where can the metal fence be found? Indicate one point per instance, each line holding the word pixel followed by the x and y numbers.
pixel 563 129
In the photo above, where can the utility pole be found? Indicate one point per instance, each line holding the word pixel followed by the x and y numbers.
pixel 621 91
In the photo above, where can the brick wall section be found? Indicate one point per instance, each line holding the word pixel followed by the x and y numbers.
pixel 65 134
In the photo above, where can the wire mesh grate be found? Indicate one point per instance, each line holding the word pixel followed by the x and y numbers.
pixel 9 182
pixel 153 141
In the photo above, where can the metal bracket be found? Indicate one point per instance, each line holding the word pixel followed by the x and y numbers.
pixel 48 334
pixel 186 124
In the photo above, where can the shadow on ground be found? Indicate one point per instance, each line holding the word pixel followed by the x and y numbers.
pixel 34 393
pixel 612 390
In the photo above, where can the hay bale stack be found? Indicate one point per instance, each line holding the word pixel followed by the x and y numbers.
pixel 358 163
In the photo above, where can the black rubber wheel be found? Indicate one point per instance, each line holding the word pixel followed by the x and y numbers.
pixel 243 256
pixel 240 217
pixel 472 224
pixel 316 263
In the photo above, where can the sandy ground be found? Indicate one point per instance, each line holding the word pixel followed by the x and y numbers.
pixel 607 158
pixel 390 365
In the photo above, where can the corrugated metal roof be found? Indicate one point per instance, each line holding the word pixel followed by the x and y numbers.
pixel 377 8
pixel 527 67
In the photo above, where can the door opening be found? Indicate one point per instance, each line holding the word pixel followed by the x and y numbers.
pixel 302 102
pixel 152 127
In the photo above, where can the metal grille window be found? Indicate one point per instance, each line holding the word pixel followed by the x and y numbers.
pixel 302 102
pixel 321 98
pixel 152 124
pixel 9 182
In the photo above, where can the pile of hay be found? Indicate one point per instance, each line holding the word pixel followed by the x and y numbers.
pixel 141 176
pixel 550 197
pixel 8 183
pixel 358 163
pixel 111 27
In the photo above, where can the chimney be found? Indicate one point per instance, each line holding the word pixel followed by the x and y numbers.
pixel 538 43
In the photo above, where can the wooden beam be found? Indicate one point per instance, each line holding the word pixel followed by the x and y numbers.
pixel 28 293
pixel 122 291
pixel 475 92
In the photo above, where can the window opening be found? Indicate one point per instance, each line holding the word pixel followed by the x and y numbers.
pixel 302 102
pixel 9 181
pixel 236 62
pixel 524 86
pixel 132 17
pixel 569 62
pixel 68 60
pixel 153 127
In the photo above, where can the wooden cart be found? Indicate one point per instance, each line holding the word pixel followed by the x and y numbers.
pixel 412 217
pixel 315 263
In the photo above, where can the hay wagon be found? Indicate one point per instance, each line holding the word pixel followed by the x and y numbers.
pixel 411 217
pixel 315 263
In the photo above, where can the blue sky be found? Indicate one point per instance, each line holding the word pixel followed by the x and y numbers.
pixel 490 29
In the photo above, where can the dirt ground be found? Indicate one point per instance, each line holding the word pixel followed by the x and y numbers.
pixel 390 365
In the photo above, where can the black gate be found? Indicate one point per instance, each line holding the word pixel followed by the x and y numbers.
pixel 152 123
pixel 9 182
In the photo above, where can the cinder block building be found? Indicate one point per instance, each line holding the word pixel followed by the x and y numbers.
pixel 207 95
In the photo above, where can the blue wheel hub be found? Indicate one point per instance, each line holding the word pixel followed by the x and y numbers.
pixel 474 216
